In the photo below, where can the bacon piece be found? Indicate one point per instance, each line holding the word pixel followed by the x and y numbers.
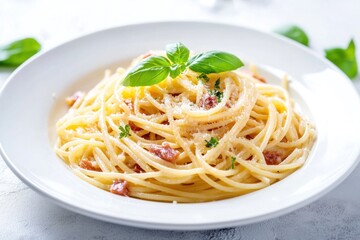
pixel 129 103
pixel 272 157
pixel 165 152
pixel 119 187
pixel 86 164
pixel 254 74
pixel 260 78
pixel 138 169
pixel 208 101
pixel 175 94
pixel 249 137
pixel 134 127
pixel 72 99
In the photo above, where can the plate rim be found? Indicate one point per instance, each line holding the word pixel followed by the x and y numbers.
pixel 150 225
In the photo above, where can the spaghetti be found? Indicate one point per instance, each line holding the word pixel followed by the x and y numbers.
pixel 186 139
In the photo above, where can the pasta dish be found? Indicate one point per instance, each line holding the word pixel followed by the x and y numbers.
pixel 196 137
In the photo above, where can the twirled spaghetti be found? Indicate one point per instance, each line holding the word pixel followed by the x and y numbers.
pixel 188 139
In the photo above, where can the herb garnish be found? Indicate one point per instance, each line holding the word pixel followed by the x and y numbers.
pixel 155 69
pixel 345 59
pixel 213 142
pixel 233 160
pixel 214 62
pixel 124 131
pixel 216 92
pixel 295 33
pixel 17 52
pixel 203 77
pixel 177 53
pixel 217 84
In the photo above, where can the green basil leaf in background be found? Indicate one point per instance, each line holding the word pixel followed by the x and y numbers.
pixel 18 52
pixel 295 33
pixel 214 62
pixel 150 71
pixel 177 53
pixel 176 69
pixel 345 59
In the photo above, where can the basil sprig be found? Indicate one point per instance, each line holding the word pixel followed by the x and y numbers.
pixel 295 33
pixel 155 69
pixel 345 59
pixel 17 52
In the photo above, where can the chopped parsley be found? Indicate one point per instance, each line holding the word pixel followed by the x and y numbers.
pixel 216 92
pixel 233 160
pixel 203 77
pixel 217 84
pixel 124 131
pixel 213 142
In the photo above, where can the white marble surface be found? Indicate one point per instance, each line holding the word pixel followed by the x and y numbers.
pixel 26 215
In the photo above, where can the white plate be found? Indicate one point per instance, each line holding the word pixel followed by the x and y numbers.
pixel 28 112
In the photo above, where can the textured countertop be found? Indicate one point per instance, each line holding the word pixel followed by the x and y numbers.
pixel 26 215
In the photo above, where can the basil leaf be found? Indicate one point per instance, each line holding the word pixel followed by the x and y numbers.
pixel 18 52
pixel 214 62
pixel 345 59
pixel 176 69
pixel 295 33
pixel 177 52
pixel 150 71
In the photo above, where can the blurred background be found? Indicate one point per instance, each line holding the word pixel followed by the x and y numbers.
pixel 328 23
